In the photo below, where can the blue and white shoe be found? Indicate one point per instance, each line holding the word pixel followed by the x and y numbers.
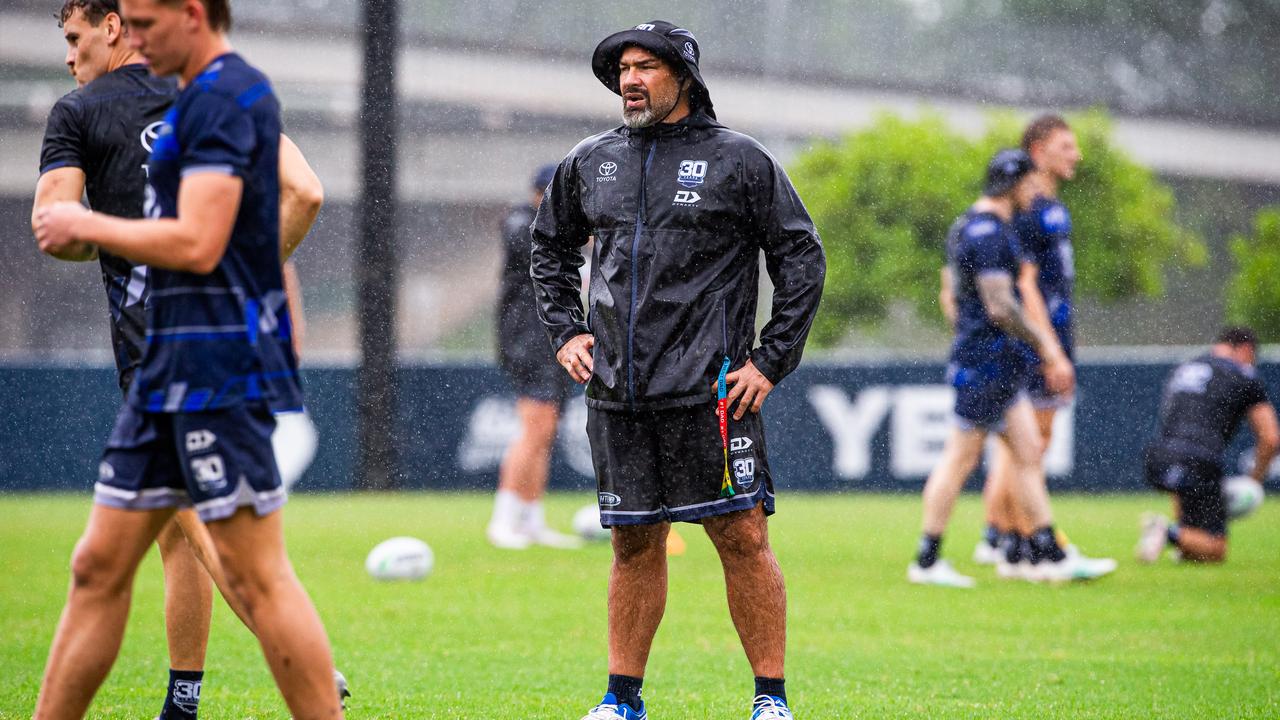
pixel 610 709
pixel 769 707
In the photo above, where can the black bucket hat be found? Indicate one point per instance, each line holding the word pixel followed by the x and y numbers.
pixel 675 45
pixel 1005 170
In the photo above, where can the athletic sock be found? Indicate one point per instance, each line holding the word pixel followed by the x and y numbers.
pixel 927 555
pixel 992 536
pixel 1044 545
pixel 626 689
pixel 506 510
pixel 183 699
pixel 771 686
pixel 1173 534
pixel 1011 545
pixel 533 517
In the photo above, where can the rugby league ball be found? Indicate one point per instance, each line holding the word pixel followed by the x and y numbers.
pixel 586 522
pixel 1243 495
pixel 400 558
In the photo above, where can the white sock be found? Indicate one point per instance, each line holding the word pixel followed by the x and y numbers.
pixel 533 518
pixel 506 510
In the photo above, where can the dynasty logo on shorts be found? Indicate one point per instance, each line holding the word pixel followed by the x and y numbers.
pixel 742 461
pixel 198 440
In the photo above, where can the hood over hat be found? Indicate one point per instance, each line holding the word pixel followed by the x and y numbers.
pixel 675 45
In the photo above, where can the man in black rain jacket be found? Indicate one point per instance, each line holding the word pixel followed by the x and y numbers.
pixel 680 208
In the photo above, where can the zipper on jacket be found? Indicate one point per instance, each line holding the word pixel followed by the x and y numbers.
pixel 635 246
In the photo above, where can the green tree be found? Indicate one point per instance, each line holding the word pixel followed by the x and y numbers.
pixel 1253 293
pixel 884 197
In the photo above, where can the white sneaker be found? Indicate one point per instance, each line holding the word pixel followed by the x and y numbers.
pixel 768 707
pixel 1072 568
pixel 550 538
pixel 984 554
pixel 1153 538
pixel 939 573
pixel 505 538
pixel 1021 570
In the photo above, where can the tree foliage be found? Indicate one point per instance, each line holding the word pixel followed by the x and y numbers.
pixel 1253 293
pixel 884 197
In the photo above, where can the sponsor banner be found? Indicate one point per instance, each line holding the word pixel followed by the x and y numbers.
pixel 828 427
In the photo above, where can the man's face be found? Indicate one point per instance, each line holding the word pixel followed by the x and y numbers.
pixel 1058 154
pixel 158 32
pixel 88 47
pixel 650 88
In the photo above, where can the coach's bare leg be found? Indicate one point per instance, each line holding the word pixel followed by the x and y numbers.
pixel 527 465
pixel 188 599
pixel 92 625
pixel 289 629
pixel 754 584
pixel 201 546
pixel 959 457
pixel 637 595
pixel 1026 450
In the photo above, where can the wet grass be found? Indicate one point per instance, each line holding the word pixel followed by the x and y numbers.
pixel 503 634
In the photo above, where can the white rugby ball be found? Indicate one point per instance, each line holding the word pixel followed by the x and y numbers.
pixel 400 558
pixel 586 522
pixel 1243 495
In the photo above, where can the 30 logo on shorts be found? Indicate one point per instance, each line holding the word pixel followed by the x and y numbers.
pixel 209 472
pixel 608 499
pixel 744 471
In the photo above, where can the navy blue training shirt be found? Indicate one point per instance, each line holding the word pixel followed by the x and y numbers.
pixel 1044 232
pixel 106 129
pixel 980 243
pixel 222 339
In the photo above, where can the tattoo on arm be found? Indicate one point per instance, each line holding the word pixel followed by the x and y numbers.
pixel 996 291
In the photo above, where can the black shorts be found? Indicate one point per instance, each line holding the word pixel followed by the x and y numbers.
pixel 1196 482
pixel 538 378
pixel 217 461
pixel 669 465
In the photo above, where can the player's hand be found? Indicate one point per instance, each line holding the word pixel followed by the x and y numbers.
pixel 1059 375
pixel 575 357
pixel 748 387
pixel 55 228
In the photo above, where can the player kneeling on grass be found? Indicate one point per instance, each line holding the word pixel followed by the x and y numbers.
pixel 680 208
pixel 988 368
pixel 1205 400
pixel 196 426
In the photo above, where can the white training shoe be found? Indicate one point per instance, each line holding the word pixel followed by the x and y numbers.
pixel 1021 570
pixel 550 538
pixel 984 554
pixel 1153 538
pixel 1071 568
pixel 939 573
pixel 505 538
pixel 768 707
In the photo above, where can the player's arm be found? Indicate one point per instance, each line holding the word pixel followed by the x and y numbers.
pixel 1036 311
pixel 1266 431
pixel 293 295
pixel 995 288
pixel 559 231
pixel 192 242
pixel 947 296
pixel 64 184
pixel 301 195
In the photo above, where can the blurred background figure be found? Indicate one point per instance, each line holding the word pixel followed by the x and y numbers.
pixel 1205 400
pixel 540 385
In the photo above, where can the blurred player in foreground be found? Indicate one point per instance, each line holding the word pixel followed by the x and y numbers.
pixel 98 138
pixel 1205 400
pixel 680 208
pixel 1046 286
pixel 541 388
pixel 988 368
pixel 196 426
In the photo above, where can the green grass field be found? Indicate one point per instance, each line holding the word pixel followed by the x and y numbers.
pixel 522 635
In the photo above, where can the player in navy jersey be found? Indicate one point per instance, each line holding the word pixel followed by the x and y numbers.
pixel 98 139
pixel 1046 285
pixel 1205 401
pixel 988 367
pixel 196 427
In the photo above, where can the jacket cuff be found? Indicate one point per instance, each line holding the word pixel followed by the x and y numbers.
pixel 563 334
pixel 771 370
